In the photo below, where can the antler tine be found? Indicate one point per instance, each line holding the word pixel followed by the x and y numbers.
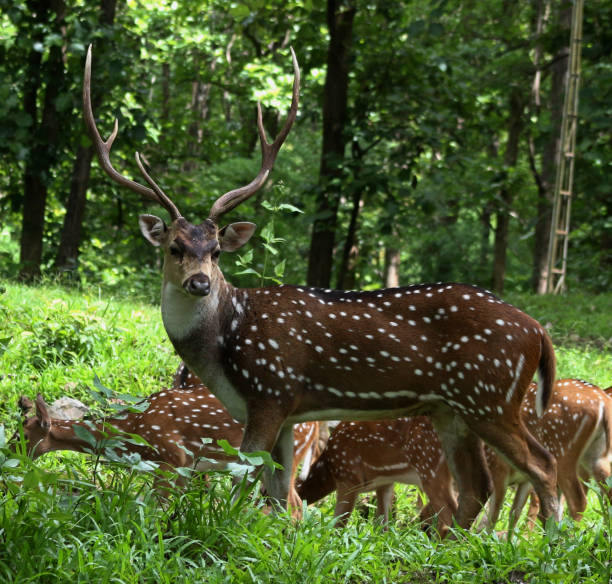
pixel 269 152
pixel 103 149
pixel 161 196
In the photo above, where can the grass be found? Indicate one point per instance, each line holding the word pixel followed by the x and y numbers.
pixel 64 518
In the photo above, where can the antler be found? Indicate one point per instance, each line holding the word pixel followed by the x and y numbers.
pixel 103 149
pixel 269 151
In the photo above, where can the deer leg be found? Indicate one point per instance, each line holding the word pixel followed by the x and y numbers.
pixel 597 466
pixel 263 432
pixel 465 456
pixel 512 439
pixel 573 490
pixel 384 499
pixel 278 481
pixel 500 472
pixel 442 505
pixel 534 508
pixel 520 498
pixel 346 497
pixel 601 471
pixel 307 462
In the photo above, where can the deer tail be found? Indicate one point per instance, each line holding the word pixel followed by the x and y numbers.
pixel 546 375
pixel 607 422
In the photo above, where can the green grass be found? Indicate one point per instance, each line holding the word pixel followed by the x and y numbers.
pixel 580 325
pixel 64 518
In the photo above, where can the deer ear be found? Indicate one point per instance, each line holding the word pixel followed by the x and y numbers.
pixel 42 413
pixel 153 228
pixel 235 235
pixel 26 405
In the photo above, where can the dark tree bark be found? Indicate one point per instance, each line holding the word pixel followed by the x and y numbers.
pixel 320 257
pixel 43 153
pixel 347 277
pixel 506 195
pixel 72 230
pixel 485 234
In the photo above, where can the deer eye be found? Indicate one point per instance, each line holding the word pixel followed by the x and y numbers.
pixel 215 254
pixel 175 251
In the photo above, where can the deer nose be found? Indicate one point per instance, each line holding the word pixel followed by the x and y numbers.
pixel 198 285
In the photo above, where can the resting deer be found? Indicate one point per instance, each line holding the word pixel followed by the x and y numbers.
pixel 174 424
pixel 366 456
pixel 276 356
pixel 576 430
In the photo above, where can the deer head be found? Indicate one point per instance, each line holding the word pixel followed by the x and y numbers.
pixel 37 428
pixel 191 251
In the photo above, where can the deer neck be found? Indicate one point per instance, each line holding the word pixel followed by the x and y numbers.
pixel 196 326
pixel 63 436
pixel 184 314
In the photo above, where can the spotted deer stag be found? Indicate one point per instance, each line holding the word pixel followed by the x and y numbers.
pixel 576 431
pixel 174 424
pixel 366 456
pixel 276 356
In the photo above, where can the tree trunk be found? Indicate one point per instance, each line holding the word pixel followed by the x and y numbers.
pixel 392 264
pixel 545 180
pixel 515 124
pixel 200 94
pixel 38 167
pixel 67 257
pixel 346 277
pixel 320 257
pixel 68 252
pixel 485 234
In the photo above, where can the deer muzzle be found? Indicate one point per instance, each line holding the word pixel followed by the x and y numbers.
pixel 197 285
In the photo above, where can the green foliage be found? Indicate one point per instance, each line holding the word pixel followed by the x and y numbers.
pixel 54 340
pixel 270 243
pixel 428 103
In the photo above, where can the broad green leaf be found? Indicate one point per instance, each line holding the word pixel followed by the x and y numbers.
pixel 84 434
pixel 279 269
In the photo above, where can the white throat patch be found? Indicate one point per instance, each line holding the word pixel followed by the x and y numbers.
pixel 183 313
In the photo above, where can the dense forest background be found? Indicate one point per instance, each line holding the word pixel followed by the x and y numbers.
pixel 424 148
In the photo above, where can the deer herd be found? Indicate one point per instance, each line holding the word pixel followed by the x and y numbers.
pixel 432 383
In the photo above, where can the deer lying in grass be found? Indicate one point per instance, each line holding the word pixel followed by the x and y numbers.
pixel 174 425
pixel 367 456
pixel 576 431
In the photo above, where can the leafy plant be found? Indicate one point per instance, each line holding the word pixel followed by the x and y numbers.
pixel 271 241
